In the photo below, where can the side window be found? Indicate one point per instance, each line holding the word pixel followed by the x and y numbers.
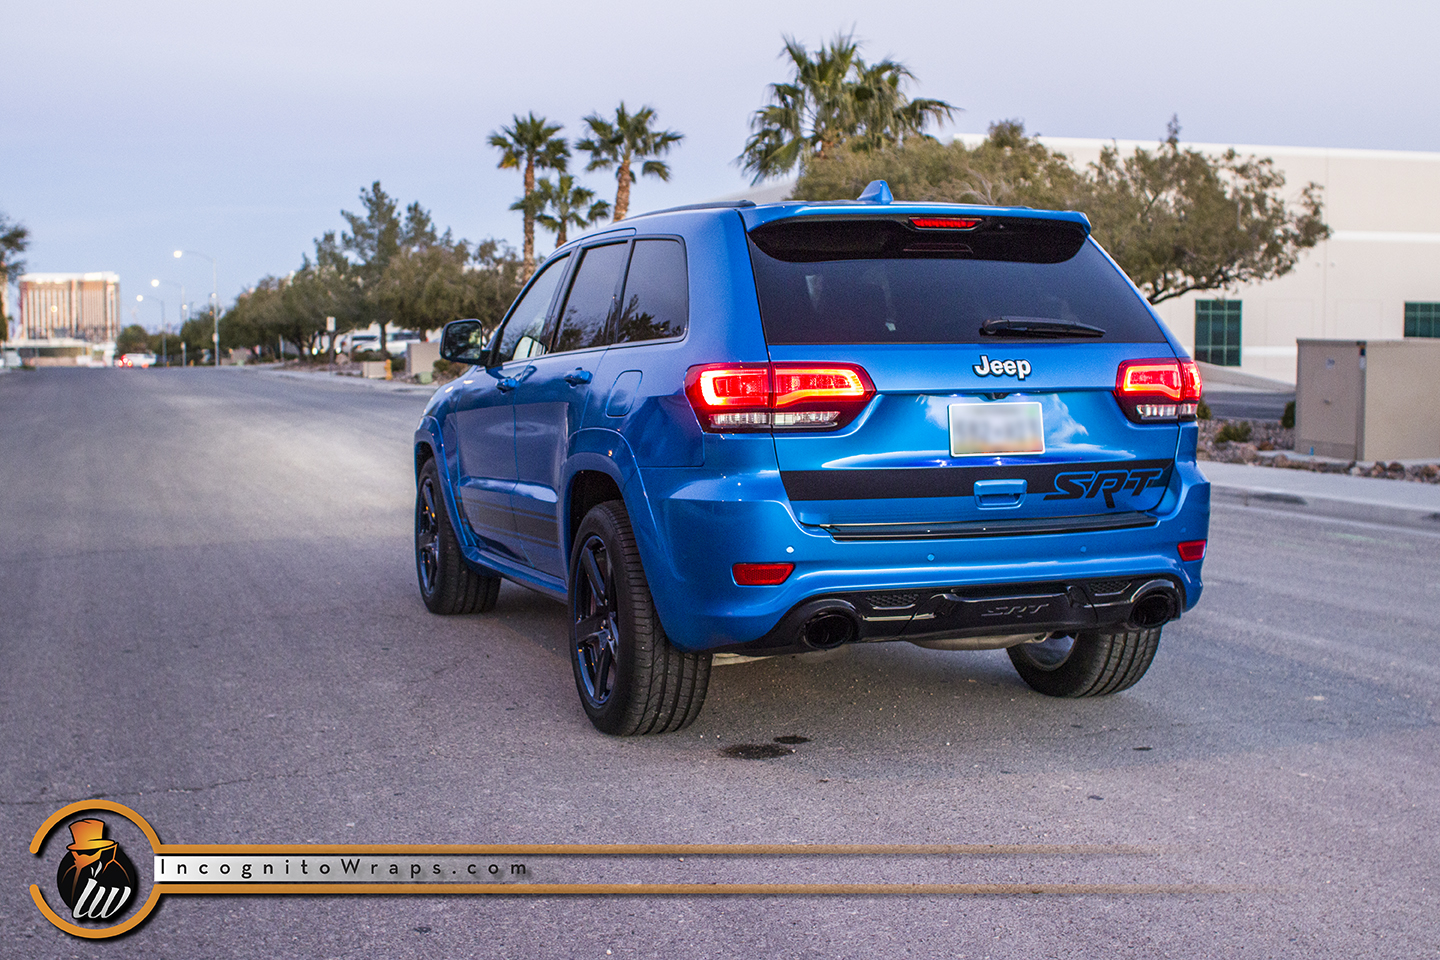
pixel 525 333
pixel 592 298
pixel 656 304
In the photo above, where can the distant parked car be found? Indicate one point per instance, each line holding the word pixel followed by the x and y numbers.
pixel 136 360
pixel 395 341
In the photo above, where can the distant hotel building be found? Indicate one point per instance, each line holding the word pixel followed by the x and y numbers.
pixel 69 306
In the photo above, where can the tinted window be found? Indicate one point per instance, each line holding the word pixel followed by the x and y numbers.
pixel 525 333
pixel 656 303
pixel 880 281
pixel 592 297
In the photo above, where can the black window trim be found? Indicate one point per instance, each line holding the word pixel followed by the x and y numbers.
pixel 625 280
pixel 492 361
pixel 566 282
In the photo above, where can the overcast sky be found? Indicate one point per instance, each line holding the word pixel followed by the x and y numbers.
pixel 241 130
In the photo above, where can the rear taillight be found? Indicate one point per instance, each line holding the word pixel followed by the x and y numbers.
pixel 777 396
pixel 1158 391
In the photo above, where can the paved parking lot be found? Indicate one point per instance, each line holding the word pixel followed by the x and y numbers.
pixel 209 615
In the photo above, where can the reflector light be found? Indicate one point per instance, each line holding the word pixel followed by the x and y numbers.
pixel 806 418
pixel 761 574
pixel 947 223
pixel 741 421
pixel 1192 550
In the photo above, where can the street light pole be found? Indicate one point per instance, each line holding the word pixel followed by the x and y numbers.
pixel 214 296
pixel 180 314
pixel 163 350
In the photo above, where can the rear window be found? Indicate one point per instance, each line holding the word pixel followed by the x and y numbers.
pixel 656 304
pixel 883 281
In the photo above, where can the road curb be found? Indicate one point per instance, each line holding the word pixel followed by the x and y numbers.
pixel 1360 510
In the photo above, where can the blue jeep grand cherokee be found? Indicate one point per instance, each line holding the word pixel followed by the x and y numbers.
pixel 768 429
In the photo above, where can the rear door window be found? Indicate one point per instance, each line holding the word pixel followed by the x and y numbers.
pixel 656 302
pixel 882 281
pixel 585 317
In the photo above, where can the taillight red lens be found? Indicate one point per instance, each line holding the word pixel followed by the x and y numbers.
pixel 1150 376
pixel 1192 550
pixel 1190 373
pixel 797 384
pixel 784 396
pixel 1159 390
pixel 761 574
pixel 947 223
pixel 737 386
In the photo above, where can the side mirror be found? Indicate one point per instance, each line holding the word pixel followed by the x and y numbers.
pixel 463 342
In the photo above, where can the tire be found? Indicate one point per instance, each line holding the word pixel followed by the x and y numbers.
pixel 447 584
pixel 1088 665
pixel 630 678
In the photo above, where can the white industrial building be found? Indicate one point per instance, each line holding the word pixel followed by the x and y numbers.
pixel 1376 278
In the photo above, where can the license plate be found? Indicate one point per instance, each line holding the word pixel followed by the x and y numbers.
pixel 995 429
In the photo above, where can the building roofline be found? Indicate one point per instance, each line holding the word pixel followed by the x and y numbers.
pixel 68 277
pixel 1127 146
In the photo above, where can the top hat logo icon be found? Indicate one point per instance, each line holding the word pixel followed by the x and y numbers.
pixel 89 836
pixel 97 881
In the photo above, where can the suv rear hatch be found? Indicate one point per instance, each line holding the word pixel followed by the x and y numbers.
pixel 992 342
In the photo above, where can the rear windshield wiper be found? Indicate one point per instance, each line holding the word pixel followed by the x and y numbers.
pixel 1037 327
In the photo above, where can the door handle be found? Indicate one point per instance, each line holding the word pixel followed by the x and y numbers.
pixel 576 377
pixel 508 384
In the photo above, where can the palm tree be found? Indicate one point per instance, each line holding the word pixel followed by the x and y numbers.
pixel 621 143
pixel 834 97
pixel 14 238
pixel 527 144
pixel 571 206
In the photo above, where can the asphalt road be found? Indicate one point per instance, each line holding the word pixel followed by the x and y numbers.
pixel 1247 404
pixel 208 613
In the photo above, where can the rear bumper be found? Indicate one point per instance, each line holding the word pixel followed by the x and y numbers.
pixel 973 613
pixel 701 524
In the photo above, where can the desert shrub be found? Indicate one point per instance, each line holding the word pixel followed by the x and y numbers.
pixel 1237 430
pixel 447 369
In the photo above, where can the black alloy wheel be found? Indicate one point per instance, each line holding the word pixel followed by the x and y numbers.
pixel 447 583
pixel 630 678
pixel 597 630
pixel 427 537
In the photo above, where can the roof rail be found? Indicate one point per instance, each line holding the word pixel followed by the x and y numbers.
pixel 712 205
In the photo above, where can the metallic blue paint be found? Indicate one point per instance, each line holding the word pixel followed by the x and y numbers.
pixel 700 502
